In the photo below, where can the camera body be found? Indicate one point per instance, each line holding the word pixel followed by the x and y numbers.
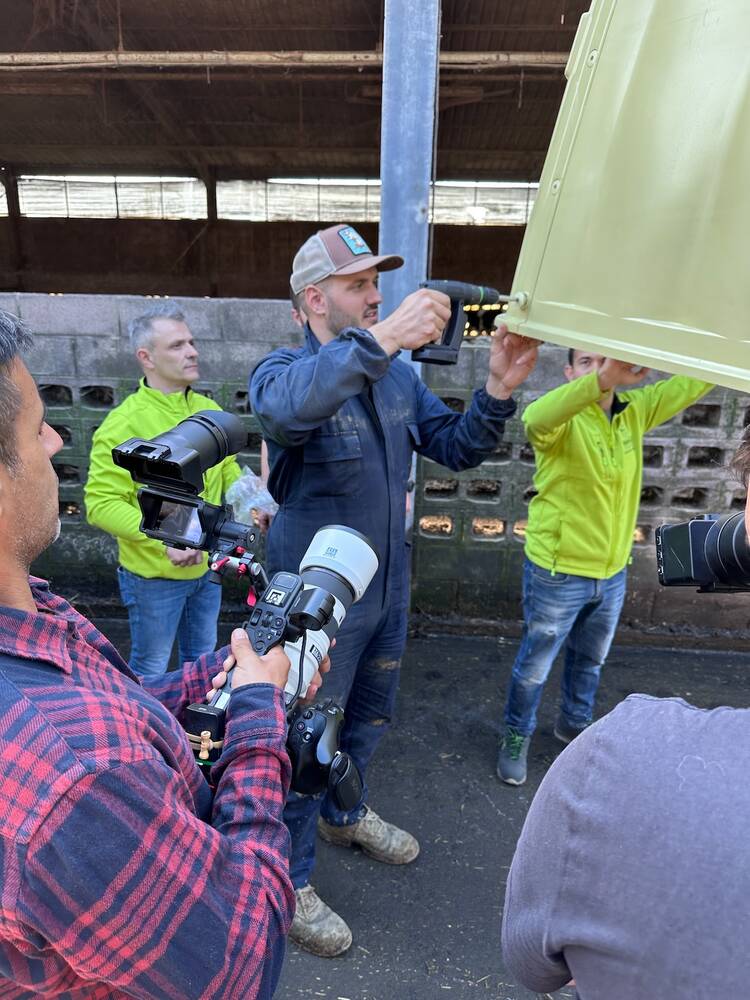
pixel 709 552
pixel 283 614
pixel 318 726
pixel 302 611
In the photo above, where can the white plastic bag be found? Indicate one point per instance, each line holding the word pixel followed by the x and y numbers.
pixel 251 502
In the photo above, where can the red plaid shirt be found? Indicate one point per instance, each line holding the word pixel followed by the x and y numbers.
pixel 120 874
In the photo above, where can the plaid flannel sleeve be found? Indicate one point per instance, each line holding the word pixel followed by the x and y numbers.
pixel 176 689
pixel 131 888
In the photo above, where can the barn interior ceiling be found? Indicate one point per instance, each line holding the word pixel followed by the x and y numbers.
pixel 238 89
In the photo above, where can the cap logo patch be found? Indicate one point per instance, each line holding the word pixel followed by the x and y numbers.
pixel 354 241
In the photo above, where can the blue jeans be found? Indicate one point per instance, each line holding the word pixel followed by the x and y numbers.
pixel 561 608
pixel 160 610
pixel 363 680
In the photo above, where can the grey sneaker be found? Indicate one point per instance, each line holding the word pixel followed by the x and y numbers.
pixel 382 841
pixel 316 928
pixel 566 733
pixel 511 761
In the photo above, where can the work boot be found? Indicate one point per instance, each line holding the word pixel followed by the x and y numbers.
pixel 566 733
pixel 316 928
pixel 511 761
pixel 382 841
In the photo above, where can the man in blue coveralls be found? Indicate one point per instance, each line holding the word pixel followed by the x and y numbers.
pixel 342 417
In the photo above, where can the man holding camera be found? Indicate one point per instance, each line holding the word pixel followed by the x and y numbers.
pixel 629 874
pixel 122 875
pixel 588 445
pixel 166 590
pixel 342 416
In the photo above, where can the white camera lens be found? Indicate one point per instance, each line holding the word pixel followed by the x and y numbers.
pixel 344 551
pixel 341 562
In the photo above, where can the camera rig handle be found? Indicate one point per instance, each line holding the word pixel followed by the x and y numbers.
pixel 241 564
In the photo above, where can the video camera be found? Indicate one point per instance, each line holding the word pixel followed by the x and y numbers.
pixel 710 552
pixel 303 611
pixel 461 294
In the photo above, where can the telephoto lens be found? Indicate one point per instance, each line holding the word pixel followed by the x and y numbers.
pixel 727 553
pixel 177 459
pixel 341 562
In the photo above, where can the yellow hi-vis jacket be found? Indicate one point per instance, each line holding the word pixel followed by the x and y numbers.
pixel 589 470
pixel 110 492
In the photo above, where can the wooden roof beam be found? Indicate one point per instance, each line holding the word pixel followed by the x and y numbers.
pixel 23 61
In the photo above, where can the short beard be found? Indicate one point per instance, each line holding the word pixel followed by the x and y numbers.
pixel 30 543
pixel 337 320
pixel 29 549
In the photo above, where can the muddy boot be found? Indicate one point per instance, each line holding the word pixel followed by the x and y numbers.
pixel 316 928
pixel 382 841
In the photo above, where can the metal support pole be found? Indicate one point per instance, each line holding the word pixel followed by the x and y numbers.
pixel 407 140
pixel 407 144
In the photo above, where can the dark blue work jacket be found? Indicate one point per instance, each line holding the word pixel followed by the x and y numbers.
pixel 342 421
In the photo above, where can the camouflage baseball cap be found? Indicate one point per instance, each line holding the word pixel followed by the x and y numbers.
pixel 336 250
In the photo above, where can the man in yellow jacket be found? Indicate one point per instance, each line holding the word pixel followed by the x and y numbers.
pixel 589 462
pixel 166 590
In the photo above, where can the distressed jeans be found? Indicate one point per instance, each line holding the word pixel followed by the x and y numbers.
pixel 363 680
pixel 160 611
pixel 561 608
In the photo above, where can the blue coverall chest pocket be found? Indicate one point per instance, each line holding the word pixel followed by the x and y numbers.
pixel 333 464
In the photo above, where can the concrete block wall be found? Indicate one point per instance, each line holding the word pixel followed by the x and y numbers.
pixel 468 526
